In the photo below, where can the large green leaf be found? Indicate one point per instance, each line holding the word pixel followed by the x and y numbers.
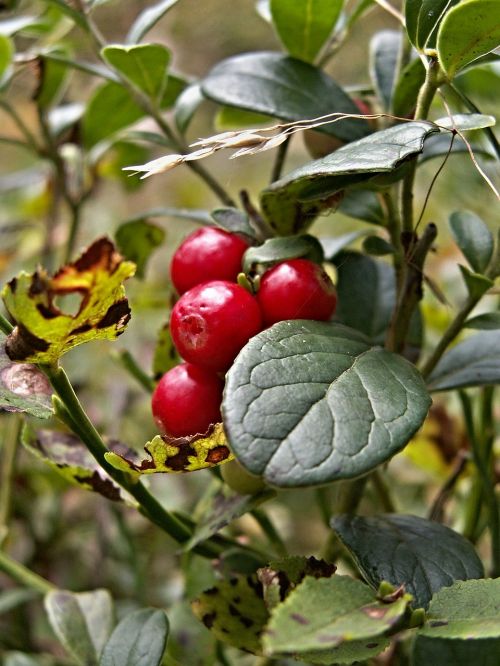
pixel 310 402
pixel 423 18
pixel 482 652
pixel 304 25
pixel 473 237
pixel 282 87
pixel 362 205
pixel 468 31
pixel 44 331
pixel 147 19
pixel 326 613
pixel 138 640
pixel 292 203
pixel 473 362
pixel 82 622
pixel 420 554
pixel 384 57
pixel 145 65
pixel 488 321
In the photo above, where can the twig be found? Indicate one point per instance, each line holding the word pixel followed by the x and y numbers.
pixel 437 509
pixel 23 575
pixel 128 362
pixel 280 160
pixel 267 526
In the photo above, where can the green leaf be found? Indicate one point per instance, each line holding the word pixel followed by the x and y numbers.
pixel 274 250
pixel 223 508
pixel 420 554
pixel 411 79
pixel 235 221
pixel 292 203
pixel 468 31
pixel 282 87
pixel 138 640
pixel 147 19
pixel 99 123
pixel 377 246
pixel 333 246
pixel 61 118
pixel 235 612
pixel 438 145
pixel 466 121
pixel 473 237
pixel 145 66
pixel 362 205
pixel 43 331
pixel 52 77
pixel 186 104
pixel 77 17
pixel 23 388
pixel 349 407
pixel 489 321
pixel 482 652
pixel 423 18
pixel 304 26
pixel 384 57
pixel 467 610
pixel 189 642
pixel 174 87
pixel 15 24
pixel 473 362
pixel 137 240
pixel 82 622
pixel 15 597
pixel 327 612
pixel 6 54
pixel 476 284
pixel 70 458
pixel 232 118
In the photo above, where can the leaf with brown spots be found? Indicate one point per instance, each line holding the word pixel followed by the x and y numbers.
pixel 177 454
pixel 44 332
pixel 235 612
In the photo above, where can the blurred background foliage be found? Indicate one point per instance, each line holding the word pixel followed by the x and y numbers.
pixel 76 539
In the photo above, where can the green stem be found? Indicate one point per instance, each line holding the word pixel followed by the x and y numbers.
pixel 280 160
pixel 382 489
pixel 267 526
pixel 393 223
pixel 23 575
pixel 21 125
pixel 73 231
pixel 9 451
pixel 126 359
pixel 5 325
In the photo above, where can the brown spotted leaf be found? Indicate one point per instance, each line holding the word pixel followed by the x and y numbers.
pixel 177 454
pixel 43 331
pixel 235 612
pixel 69 457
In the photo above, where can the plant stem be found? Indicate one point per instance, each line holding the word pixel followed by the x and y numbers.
pixel 9 451
pixel 394 228
pixel 267 526
pixel 23 575
pixel 437 509
pixel 382 490
pixel 126 359
pixel 280 160
pixel 21 125
pixel 5 325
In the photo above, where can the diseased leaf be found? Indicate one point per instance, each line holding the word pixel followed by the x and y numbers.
pixel 303 26
pixel 328 612
pixel 310 402
pixel 473 362
pixel 165 355
pixel 282 87
pixel 420 554
pixel 138 640
pixel 176 454
pixel 43 332
pixel 235 612
pixel 147 19
pixel 468 31
pixel 23 388
pixel 137 240
pixel 473 237
pixel 145 65
pixel 82 622
pixel 384 56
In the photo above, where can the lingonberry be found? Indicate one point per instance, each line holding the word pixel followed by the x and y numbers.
pixel 187 400
pixel 207 254
pixel 296 289
pixel 211 322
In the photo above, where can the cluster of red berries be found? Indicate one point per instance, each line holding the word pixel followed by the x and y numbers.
pixel 215 317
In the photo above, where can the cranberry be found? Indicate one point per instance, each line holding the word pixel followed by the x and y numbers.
pixel 207 254
pixel 296 289
pixel 187 400
pixel 211 322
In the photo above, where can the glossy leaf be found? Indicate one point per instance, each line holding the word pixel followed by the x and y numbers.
pixel 468 31
pixel 476 284
pixel 304 26
pixel 282 87
pixel 473 362
pixel 137 240
pixel 23 388
pixel 473 237
pixel 420 554
pixel 43 331
pixel 444 652
pixel 438 145
pixel 489 321
pixel 144 65
pixel 292 203
pixel 327 612
pixel 274 250
pixel 186 104
pixel 423 18
pixel 61 118
pixel 172 455
pixel 319 371
pixel 81 621
pixel 377 246
pixel 138 640
pixel 333 246
pixel 99 123
pixel 362 205
pixel 52 78
pixel 232 118
pixel 466 121
pixel 410 81
pixel 147 19
pixel 235 221
pixel 384 57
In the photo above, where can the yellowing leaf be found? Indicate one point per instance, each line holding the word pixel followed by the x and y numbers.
pixel 177 454
pixel 43 331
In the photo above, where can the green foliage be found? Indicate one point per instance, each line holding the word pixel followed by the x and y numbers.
pixel 137 240
pixel 274 250
pixel 422 19
pixel 147 19
pixel 144 65
pixel 138 640
pixel 473 237
pixel 6 52
pixel 384 56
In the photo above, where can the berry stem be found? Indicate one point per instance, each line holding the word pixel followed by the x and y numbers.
pixel 23 575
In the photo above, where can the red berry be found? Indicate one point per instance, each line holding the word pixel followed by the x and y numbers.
pixel 207 254
pixel 296 289
pixel 211 322
pixel 187 400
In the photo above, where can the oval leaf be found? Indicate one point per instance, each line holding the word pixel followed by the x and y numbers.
pixel 473 237
pixel 144 65
pixel 489 321
pixel 147 20
pixel 422 555
pixel 384 57
pixel 139 640
pixel 279 249
pixel 468 31
pixel 422 19
pixel 310 402
pixel 284 88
